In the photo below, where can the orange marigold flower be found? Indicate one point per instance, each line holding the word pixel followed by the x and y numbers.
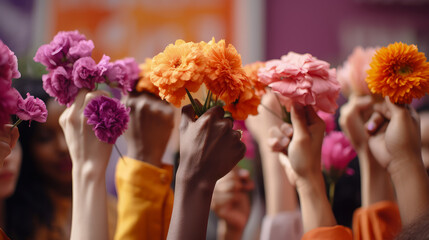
pixel 252 72
pixel 246 104
pixel 399 71
pixel 144 84
pixel 225 75
pixel 181 66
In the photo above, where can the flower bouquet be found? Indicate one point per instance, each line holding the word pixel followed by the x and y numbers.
pixel 70 68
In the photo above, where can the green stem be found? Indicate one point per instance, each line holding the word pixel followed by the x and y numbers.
pixel 120 154
pixel 208 100
pixel 16 124
pixel 331 192
pixel 194 104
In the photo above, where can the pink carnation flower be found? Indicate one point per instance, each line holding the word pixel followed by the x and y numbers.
pixel 8 103
pixel 108 118
pixel 32 109
pixel 86 73
pixel 122 74
pixel 303 79
pixel 63 50
pixel 59 84
pixel 246 138
pixel 353 72
pixel 8 64
pixel 328 119
pixel 337 153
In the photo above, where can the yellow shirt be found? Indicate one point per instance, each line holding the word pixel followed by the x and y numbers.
pixel 145 200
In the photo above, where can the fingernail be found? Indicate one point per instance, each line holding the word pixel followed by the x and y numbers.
pixel 371 126
pixel 288 131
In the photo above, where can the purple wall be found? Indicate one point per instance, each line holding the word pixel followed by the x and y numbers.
pixel 329 28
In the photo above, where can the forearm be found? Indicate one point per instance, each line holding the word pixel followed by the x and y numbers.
pixel 376 184
pixel 190 210
pixel 315 208
pixel 412 189
pixel 227 232
pixel 89 214
pixel 280 194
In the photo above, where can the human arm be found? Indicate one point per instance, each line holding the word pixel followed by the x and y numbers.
pixel 376 184
pixel 90 157
pixel 145 199
pixel 209 149
pixel 231 203
pixel 397 148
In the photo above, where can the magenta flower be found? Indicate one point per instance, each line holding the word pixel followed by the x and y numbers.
pixel 122 74
pixel 328 119
pixel 303 79
pixel 246 138
pixel 8 103
pixel 57 52
pixel 59 84
pixel 108 118
pixel 31 109
pixel 8 64
pixel 337 153
pixel 86 73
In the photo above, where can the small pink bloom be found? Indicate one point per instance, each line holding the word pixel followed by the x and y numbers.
pixel 353 72
pixel 32 109
pixel 86 73
pixel 303 79
pixel 8 103
pixel 8 64
pixel 108 118
pixel 337 153
pixel 329 120
pixel 59 84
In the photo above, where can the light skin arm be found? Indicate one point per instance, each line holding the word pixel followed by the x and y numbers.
pixel 376 184
pixel 209 149
pixel 302 165
pixel 280 195
pixel 397 147
pixel 89 214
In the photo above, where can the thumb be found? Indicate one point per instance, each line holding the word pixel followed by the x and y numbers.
pixel 299 119
pixel 188 115
pixel 394 108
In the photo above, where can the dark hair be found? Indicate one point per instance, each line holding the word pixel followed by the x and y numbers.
pixel 30 204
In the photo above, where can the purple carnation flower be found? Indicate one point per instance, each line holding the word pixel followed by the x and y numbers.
pixel 108 118
pixel 86 73
pixel 56 53
pixel 59 84
pixel 8 64
pixel 122 74
pixel 31 109
pixel 8 103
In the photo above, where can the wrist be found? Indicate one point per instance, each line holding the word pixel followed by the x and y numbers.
pixel 311 184
pixel 228 231
pixel 188 181
pixel 88 170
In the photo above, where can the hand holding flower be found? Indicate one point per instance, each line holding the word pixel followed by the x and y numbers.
pixel 8 138
pixel 150 127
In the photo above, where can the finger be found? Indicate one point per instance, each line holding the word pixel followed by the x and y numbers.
pixel 361 102
pixel 217 112
pixel 188 115
pixel 313 118
pixel 80 99
pixel 375 122
pixel 299 119
pixel 14 135
pixel 286 129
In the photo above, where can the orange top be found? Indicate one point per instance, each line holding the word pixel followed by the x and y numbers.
pixel 3 235
pixel 145 200
pixel 380 221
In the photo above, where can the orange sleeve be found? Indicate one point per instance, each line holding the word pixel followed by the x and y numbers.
pixel 145 200
pixel 3 235
pixel 380 221
pixel 329 233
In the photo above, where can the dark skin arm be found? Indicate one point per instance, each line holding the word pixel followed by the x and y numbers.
pixel 209 149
